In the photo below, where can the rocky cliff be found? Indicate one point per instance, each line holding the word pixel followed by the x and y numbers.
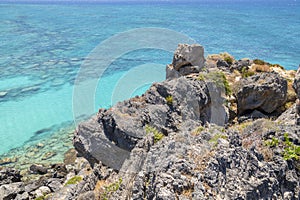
pixel 216 128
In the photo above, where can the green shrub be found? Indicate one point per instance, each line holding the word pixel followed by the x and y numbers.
pixel 259 62
pixel 156 134
pixel 198 130
pixel 169 100
pixel 216 137
pixel 229 60
pixel 272 143
pixel 74 180
pixel 277 65
pixel 246 73
pixel 111 188
pixel 220 80
pixel 40 198
pixel 201 77
pixel 291 151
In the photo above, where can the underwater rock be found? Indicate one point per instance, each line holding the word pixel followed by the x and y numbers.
pixel 48 155
pixel 38 169
pixel 8 160
pixel 3 94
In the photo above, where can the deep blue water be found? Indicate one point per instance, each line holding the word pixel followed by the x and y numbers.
pixel 43 45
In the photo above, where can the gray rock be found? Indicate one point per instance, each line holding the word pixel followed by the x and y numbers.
pixel 38 169
pixel 296 83
pixel 264 92
pixel 54 184
pixel 91 142
pixel 33 185
pixel 23 196
pixel 42 191
pixel 252 116
pixel 171 72
pixel 288 117
pixel 10 191
pixel 9 175
pixel 240 64
pixel 187 59
pixel 188 55
pixel 111 136
pixel 90 195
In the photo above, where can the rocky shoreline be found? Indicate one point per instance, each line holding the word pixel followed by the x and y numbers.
pixel 216 128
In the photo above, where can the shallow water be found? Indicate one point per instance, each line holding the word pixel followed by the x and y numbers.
pixel 43 46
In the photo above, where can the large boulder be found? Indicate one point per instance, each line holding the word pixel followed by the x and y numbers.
pixel 264 92
pixel 111 135
pixel 187 59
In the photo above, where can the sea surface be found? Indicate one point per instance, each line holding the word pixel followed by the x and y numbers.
pixel 43 45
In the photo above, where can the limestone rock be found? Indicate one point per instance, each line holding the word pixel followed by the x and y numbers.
pixel 296 84
pixel 9 175
pixel 264 92
pixel 111 135
pixel 188 55
pixel 187 59
pixel 38 169
pixel 10 191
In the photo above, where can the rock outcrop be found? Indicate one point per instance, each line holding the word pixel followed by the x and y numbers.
pixel 172 142
pixel 111 135
pixel 187 59
pixel 264 92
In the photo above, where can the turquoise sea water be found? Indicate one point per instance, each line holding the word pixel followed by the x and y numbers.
pixel 43 45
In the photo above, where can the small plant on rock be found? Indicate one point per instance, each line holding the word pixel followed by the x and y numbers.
pixel 291 151
pixel 169 100
pixel 215 138
pixel 156 134
pixel 229 60
pixel 246 73
pixel 198 130
pixel 74 180
pixel 272 143
pixel 111 188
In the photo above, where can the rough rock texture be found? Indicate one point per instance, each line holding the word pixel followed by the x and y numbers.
pixel 188 55
pixel 212 164
pixel 111 136
pixel 264 92
pixel 9 175
pixel 12 191
pixel 187 59
pixel 167 144
pixel 296 84
pixel 240 64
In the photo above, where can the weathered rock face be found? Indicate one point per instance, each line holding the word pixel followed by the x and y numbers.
pixel 264 92
pixel 114 133
pixel 9 175
pixel 167 144
pixel 12 191
pixel 187 59
pixel 188 55
pixel 296 84
pixel 210 164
